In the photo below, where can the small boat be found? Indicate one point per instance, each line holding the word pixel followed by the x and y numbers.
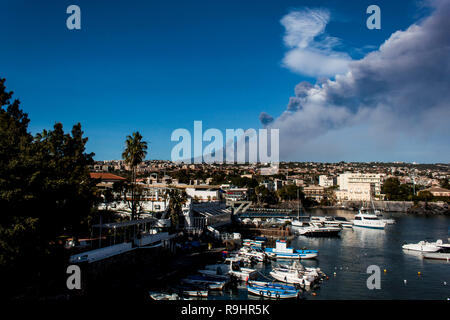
pixel 316 229
pixel 272 290
pixel 289 275
pixel 366 219
pixel 424 246
pixel 283 252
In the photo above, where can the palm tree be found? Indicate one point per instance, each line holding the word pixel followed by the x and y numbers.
pixel 134 154
pixel 176 201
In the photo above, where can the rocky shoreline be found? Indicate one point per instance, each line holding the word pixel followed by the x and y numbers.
pixel 429 208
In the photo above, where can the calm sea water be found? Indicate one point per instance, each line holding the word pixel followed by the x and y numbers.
pixel 350 254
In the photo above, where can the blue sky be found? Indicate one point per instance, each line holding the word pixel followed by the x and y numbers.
pixel 155 66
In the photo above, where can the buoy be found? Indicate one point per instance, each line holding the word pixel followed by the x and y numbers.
pixel 314 294
pixel 385 270
pixel 404 281
pixel 328 278
pixel 334 273
pixel 445 283
pixel 418 273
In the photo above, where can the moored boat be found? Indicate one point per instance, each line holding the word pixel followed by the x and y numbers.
pixel 281 251
pixel 316 229
pixel 272 290
pixel 424 246
pixel 365 219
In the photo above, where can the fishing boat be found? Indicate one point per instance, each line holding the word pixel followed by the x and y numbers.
pixel 315 229
pixel 295 274
pixel 292 276
pixel 424 246
pixel 366 219
pixel 272 290
pixel 281 251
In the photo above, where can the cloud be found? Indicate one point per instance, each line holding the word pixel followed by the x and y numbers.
pixel 311 51
pixel 397 96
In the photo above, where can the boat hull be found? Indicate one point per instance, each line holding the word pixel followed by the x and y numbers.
pixel 271 293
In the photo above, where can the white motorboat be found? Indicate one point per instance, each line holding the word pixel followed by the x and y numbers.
pixel 365 219
pixel 316 229
pixel 283 252
pixel 294 275
pixel 424 246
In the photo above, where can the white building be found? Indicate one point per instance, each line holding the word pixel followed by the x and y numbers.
pixel 358 183
pixel 203 195
pixel 325 181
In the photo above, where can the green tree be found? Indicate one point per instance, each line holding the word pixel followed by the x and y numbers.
pixel 45 192
pixel 134 153
pixel 289 192
pixel 265 196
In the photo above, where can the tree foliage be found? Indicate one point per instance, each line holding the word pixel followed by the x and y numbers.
pixel 134 153
pixel 45 191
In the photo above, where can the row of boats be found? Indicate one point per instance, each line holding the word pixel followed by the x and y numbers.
pixel 237 267
pixel 332 226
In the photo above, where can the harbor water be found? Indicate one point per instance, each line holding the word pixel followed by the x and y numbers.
pixel 345 259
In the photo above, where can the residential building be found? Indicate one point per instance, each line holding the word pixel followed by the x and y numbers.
pixel 314 192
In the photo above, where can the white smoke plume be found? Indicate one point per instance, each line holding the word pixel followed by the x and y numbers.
pixel 396 99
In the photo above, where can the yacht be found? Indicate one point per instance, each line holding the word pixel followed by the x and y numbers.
pixel 365 219
pixel 424 246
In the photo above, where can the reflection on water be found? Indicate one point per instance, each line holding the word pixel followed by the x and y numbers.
pixel 345 260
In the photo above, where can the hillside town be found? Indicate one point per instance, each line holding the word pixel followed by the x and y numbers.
pixel 320 184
